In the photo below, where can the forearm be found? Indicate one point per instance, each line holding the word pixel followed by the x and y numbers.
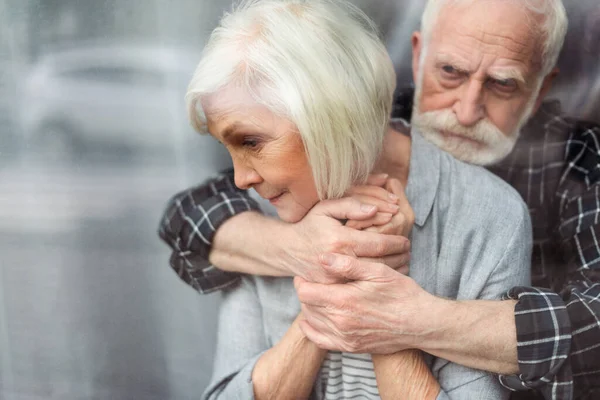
pixel 289 369
pixel 478 334
pixel 404 375
pixel 245 244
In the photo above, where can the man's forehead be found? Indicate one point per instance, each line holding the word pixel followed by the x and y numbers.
pixel 498 28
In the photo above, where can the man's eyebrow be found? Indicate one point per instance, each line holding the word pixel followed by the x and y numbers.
pixel 503 74
pixel 444 58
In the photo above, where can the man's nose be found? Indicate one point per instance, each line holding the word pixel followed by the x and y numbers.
pixel 245 176
pixel 469 107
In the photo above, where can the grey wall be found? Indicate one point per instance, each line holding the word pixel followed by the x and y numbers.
pixel 89 308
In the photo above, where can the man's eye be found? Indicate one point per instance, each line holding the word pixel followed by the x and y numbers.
pixel 448 71
pixel 505 85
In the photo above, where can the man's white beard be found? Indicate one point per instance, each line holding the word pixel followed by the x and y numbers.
pixel 493 145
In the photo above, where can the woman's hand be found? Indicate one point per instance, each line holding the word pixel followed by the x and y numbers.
pixel 391 193
pixel 394 217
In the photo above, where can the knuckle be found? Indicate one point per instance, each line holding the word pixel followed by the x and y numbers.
pixel 346 264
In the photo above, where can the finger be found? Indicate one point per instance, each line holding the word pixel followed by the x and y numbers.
pixel 371 244
pixel 353 269
pixel 396 226
pixel 345 209
pixel 378 220
pixel 377 179
pixel 394 261
pixel 404 270
pixel 322 341
pixel 382 205
pixel 374 191
pixel 316 294
pixel 395 186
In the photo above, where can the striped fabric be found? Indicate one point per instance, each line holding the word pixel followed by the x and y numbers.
pixel 348 376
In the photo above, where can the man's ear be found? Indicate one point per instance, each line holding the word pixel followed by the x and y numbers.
pixel 546 86
pixel 417 47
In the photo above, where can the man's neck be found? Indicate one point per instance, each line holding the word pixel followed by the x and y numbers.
pixel 395 157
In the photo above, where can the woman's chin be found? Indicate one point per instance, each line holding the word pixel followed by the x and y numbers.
pixel 290 216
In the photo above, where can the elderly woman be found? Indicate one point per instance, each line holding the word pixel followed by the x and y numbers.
pixel 300 93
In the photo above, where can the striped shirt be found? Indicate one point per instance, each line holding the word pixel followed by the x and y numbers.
pixel 348 376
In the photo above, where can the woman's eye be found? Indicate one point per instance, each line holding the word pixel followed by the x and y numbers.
pixel 250 143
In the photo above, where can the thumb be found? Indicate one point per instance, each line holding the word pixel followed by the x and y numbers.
pixel 353 269
pixel 344 209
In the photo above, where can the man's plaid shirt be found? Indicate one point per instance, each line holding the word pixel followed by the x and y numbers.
pixel 556 169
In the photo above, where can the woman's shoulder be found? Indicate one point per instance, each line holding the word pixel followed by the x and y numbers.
pixel 475 190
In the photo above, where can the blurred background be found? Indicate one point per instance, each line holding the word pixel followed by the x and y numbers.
pixel 93 142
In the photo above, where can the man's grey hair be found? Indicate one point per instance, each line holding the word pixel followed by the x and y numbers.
pixel 320 64
pixel 553 28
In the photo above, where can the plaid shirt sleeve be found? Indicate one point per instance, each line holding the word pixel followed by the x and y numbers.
pixel 189 224
pixel 559 333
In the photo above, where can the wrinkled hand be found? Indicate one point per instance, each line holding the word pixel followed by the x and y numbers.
pixel 321 231
pixel 379 310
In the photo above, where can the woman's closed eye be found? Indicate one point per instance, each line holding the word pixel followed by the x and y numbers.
pixel 251 143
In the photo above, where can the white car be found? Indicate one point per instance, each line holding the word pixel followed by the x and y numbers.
pixel 85 98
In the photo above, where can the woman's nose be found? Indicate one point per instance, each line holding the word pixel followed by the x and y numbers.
pixel 245 176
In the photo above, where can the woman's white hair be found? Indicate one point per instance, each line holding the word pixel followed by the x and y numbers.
pixel 553 29
pixel 318 63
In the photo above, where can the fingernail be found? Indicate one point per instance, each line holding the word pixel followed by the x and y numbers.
pixel 327 259
pixel 367 208
pixel 385 176
pixel 393 197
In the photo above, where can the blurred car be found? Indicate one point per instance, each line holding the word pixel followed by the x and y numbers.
pixel 89 98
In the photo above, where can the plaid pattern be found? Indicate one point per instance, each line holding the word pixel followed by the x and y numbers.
pixel 189 224
pixel 556 169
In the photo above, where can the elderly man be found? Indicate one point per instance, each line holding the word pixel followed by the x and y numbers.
pixel 481 70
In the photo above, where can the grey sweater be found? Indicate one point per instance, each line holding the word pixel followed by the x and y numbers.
pixel 471 240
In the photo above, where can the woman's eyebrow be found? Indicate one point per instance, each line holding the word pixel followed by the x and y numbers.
pixel 230 130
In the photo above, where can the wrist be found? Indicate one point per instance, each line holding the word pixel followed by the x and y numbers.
pixel 440 329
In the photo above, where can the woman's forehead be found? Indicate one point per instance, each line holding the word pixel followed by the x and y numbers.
pixel 227 100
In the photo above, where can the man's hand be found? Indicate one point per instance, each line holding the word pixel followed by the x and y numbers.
pixel 379 310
